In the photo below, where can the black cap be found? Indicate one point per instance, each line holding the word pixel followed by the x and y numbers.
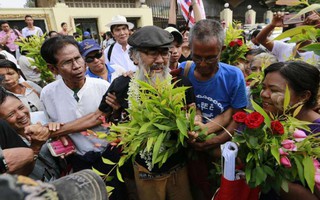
pixel 151 37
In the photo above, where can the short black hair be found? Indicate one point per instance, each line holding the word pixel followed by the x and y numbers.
pixel 50 33
pixel 4 95
pixel 292 72
pixel 116 25
pixel 51 46
pixel 27 17
pixel 255 52
pixel 3 22
pixel 8 64
pixel 255 33
pixel 63 23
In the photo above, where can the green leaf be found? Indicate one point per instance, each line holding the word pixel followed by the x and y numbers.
pixel 119 176
pixel 249 157
pixel 109 189
pixel 300 170
pixel 268 170
pixel 260 176
pixel 149 143
pixel 309 171
pixel 181 123
pixel 97 172
pixel 286 99
pixel 315 47
pixel 310 8
pixel 257 108
pixel 107 161
pixel 294 31
pixel 284 185
pixel 275 150
pixel 162 127
pixel 297 111
pixel 156 147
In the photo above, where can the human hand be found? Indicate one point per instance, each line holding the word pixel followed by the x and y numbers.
pixel 19 160
pixel 37 133
pixel 202 145
pixel 54 126
pixel 313 19
pixel 128 73
pixel 111 100
pixel 277 19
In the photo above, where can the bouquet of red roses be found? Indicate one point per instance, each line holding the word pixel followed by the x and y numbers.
pixel 276 149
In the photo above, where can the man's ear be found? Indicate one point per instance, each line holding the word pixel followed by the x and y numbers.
pixel 53 69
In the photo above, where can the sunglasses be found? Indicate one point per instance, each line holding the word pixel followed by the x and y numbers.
pixel 90 59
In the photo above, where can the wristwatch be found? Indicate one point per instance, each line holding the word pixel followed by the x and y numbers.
pixel 3 164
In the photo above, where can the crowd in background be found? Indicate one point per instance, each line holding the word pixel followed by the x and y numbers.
pixel 93 82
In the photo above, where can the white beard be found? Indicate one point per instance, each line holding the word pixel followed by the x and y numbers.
pixel 146 74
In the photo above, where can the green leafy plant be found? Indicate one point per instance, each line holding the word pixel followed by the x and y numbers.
pixel 158 123
pixel 235 48
pixel 33 45
pixel 274 149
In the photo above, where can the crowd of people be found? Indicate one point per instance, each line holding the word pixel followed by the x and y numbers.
pixel 94 83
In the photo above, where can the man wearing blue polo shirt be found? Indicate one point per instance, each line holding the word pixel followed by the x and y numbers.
pixel 95 60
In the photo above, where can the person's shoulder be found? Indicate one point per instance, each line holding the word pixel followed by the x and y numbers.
pixel 97 81
pixel 230 71
pixel 55 85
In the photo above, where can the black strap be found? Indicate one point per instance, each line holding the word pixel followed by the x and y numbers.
pixel 110 51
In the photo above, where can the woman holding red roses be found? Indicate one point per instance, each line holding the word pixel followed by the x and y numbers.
pixel 303 81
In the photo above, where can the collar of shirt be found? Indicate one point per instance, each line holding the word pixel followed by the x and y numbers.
pixel 109 69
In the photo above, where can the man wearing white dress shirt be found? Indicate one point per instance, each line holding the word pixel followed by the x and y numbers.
pixel 118 53
pixel 72 96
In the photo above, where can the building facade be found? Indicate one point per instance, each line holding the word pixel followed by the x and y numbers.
pixel 80 15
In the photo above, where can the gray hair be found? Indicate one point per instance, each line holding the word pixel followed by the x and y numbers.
pixel 206 29
pixel 265 58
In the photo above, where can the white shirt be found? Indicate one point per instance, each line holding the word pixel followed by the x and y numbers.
pixel 31 96
pixel 61 106
pixel 36 31
pixel 283 52
pixel 27 69
pixel 120 57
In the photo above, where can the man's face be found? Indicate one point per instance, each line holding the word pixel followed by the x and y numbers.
pixel 5 27
pixel 154 63
pixel 206 56
pixel 29 21
pixel 15 113
pixel 95 61
pixel 121 34
pixel 70 65
pixel 65 27
pixel 175 52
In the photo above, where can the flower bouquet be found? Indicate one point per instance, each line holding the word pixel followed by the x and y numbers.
pixel 159 121
pixel 276 150
pixel 235 47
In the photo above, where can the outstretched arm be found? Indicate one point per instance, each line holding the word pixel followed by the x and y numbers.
pixel 262 37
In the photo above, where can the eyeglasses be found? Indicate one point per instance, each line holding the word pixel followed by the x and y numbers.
pixel 90 59
pixel 154 53
pixel 69 63
pixel 208 61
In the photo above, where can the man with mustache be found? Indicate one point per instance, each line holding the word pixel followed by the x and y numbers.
pixel 150 50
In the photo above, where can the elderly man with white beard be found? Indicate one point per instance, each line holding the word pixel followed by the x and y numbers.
pixel 150 50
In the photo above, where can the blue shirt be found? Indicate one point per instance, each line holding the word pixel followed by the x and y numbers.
pixel 225 89
pixel 109 69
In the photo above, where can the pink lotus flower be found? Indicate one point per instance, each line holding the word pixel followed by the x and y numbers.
pixel 282 153
pixel 289 145
pixel 317 179
pixel 284 160
pixel 299 135
pixel 316 164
